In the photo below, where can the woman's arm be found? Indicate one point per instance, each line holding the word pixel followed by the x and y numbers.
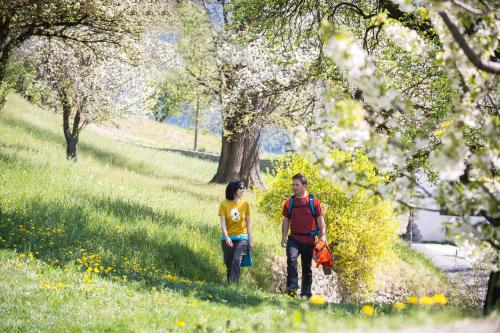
pixel 249 231
pixel 224 231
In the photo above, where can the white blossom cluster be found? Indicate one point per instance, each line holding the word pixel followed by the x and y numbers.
pixel 256 69
pixel 404 37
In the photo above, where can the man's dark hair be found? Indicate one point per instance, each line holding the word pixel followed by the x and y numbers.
pixel 233 187
pixel 301 178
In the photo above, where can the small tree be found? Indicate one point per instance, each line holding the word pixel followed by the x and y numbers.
pixel 81 86
pixel 360 230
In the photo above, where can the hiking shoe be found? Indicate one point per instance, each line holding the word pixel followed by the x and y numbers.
pixel 292 293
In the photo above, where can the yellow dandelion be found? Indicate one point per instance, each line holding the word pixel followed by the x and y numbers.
pixel 297 317
pixel 367 310
pixel 440 299
pixel 412 300
pixel 399 306
pixel 317 299
pixel 181 323
pixel 426 300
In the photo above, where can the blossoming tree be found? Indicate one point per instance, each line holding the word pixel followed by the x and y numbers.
pixel 257 85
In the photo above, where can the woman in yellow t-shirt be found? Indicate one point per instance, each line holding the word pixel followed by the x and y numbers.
pixel 236 231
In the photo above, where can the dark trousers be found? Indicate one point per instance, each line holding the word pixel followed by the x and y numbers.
pixel 232 258
pixel 295 248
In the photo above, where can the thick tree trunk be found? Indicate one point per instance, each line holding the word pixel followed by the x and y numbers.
pixel 230 159
pixel 235 158
pixel 224 155
pixel 240 158
pixel 492 301
pixel 250 167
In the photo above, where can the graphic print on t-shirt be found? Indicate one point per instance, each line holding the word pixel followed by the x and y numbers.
pixel 235 214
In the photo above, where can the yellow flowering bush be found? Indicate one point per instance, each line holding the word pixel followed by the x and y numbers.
pixel 360 230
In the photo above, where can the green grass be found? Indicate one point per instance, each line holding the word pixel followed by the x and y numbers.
pixel 149 132
pixel 37 296
pixel 141 219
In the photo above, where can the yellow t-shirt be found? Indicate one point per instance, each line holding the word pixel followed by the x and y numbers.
pixel 235 213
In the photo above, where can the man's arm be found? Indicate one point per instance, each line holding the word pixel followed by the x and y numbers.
pixel 322 228
pixel 284 230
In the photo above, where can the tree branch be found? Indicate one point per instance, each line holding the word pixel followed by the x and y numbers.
pixel 487 66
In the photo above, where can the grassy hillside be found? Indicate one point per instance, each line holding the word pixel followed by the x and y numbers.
pixel 136 208
pixel 127 239
pixel 151 133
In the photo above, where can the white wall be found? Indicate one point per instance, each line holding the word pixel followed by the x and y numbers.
pixel 430 225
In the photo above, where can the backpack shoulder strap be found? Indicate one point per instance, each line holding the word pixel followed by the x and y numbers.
pixel 290 205
pixel 311 204
pixel 313 211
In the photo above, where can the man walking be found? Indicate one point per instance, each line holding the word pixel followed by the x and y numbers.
pixel 303 215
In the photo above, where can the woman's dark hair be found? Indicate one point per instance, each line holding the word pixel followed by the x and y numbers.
pixel 301 178
pixel 233 187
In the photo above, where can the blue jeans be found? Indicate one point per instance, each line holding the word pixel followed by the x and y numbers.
pixel 295 248
pixel 232 258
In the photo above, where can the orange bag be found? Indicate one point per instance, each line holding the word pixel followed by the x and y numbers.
pixel 322 255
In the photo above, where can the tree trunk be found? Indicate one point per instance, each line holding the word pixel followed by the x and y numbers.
pixel 230 159
pixel 196 122
pixel 70 134
pixel 4 59
pixel 250 167
pixel 224 155
pixel 71 148
pixel 240 158
pixel 492 301
pixel 235 158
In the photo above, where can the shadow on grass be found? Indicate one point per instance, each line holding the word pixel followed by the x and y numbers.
pixel 102 155
pixel 105 156
pixel 171 255
pixel 204 197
